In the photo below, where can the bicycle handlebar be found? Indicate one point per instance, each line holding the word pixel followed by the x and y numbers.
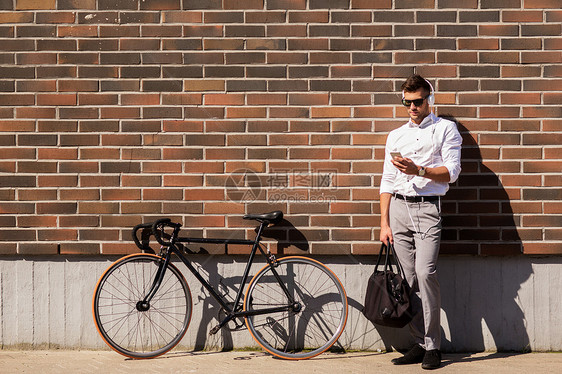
pixel 158 229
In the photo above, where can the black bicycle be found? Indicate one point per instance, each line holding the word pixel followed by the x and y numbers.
pixel 294 307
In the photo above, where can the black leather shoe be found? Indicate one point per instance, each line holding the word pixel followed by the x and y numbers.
pixel 414 356
pixel 432 359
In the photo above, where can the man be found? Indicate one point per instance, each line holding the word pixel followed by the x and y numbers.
pixel 421 158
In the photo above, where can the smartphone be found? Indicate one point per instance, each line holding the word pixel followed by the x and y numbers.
pixel 395 154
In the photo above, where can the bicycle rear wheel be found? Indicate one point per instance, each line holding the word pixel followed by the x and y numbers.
pixel 134 330
pixel 306 329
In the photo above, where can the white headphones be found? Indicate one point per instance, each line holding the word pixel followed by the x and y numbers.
pixel 431 97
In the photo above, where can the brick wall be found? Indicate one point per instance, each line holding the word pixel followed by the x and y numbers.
pixel 117 111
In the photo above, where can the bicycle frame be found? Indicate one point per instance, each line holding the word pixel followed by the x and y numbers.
pixel 231 312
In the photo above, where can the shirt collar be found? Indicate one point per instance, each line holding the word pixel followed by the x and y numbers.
pixel 431 118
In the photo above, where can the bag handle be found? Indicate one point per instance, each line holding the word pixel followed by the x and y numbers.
pixel 389 250
pixel 383 246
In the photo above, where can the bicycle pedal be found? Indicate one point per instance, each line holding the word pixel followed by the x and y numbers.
pixel 214 330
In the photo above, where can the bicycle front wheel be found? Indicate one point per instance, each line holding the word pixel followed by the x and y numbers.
pixel 307 327
pixel 130 328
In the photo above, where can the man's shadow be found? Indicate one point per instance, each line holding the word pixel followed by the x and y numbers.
pixel 479 292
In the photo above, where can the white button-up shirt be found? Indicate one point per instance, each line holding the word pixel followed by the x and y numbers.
pixel 434 142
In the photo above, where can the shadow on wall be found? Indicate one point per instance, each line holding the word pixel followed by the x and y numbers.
pixel 479 295
pixel 211 311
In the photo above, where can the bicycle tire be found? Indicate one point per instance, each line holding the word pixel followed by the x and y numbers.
pixel 126 329
pixel 303 334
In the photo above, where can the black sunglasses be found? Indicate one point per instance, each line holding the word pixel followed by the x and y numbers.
pixel 417 102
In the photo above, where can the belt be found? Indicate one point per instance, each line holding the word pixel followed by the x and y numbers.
pixel 416 199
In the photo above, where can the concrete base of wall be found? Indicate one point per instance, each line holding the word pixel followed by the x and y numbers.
pixel 488 303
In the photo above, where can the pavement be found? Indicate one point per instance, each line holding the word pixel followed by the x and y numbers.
pixel 101 362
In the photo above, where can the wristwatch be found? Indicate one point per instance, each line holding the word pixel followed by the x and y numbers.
pixel 421 172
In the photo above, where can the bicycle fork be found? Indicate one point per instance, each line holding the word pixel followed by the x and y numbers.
pixel 144 304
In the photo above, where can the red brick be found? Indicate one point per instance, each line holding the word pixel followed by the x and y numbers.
pixel 206 194
pixel 246 112
pixel 499 112
pixel 121 194
pixel 141 207
pixel 182 154
pixel 553 208
pixel 537 57
pixel 57 181
pixel 552 125
pixel 542 112
pixel 331 112
pixel 222 153
pixel 289 112
pixel 37 249
pixel 79 248
pixel 121 220
pixel 308 99
pixel 97 99
pixel 79 194
pixel 544 248
pixel 541 167
pixel 478 43
pixel 79 221
pixel 351 153
pixel 552 153
pixel 310 153
pixel 35 4
pixel 182 181
pixel 96 208
pixel 549 4
pixel 16 17
pixel 57 235
pixel 56 99
pixel 77 31
pixel 56 208
pixel 520 98
pixel 35 112
pixel 521 153
pixel 223 208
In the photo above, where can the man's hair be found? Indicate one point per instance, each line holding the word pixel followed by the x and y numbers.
pixel 414 83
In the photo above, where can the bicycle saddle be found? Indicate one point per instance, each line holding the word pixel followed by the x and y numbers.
pixel 271 217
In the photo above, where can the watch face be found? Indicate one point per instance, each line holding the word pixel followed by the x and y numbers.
pixel 421 172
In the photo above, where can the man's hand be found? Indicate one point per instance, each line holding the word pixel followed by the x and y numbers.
pixel 405 165
pixel 386 234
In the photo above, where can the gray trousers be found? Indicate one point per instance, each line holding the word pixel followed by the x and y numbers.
pixel 416 229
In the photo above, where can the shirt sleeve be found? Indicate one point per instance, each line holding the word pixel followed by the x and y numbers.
pixel 389 171
pixel 451 151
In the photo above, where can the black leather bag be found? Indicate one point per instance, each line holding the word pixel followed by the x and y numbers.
pixel 387 300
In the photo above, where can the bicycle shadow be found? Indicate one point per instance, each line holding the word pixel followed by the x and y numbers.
pixel 285 236
pixel 287 239
pixel 480 295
